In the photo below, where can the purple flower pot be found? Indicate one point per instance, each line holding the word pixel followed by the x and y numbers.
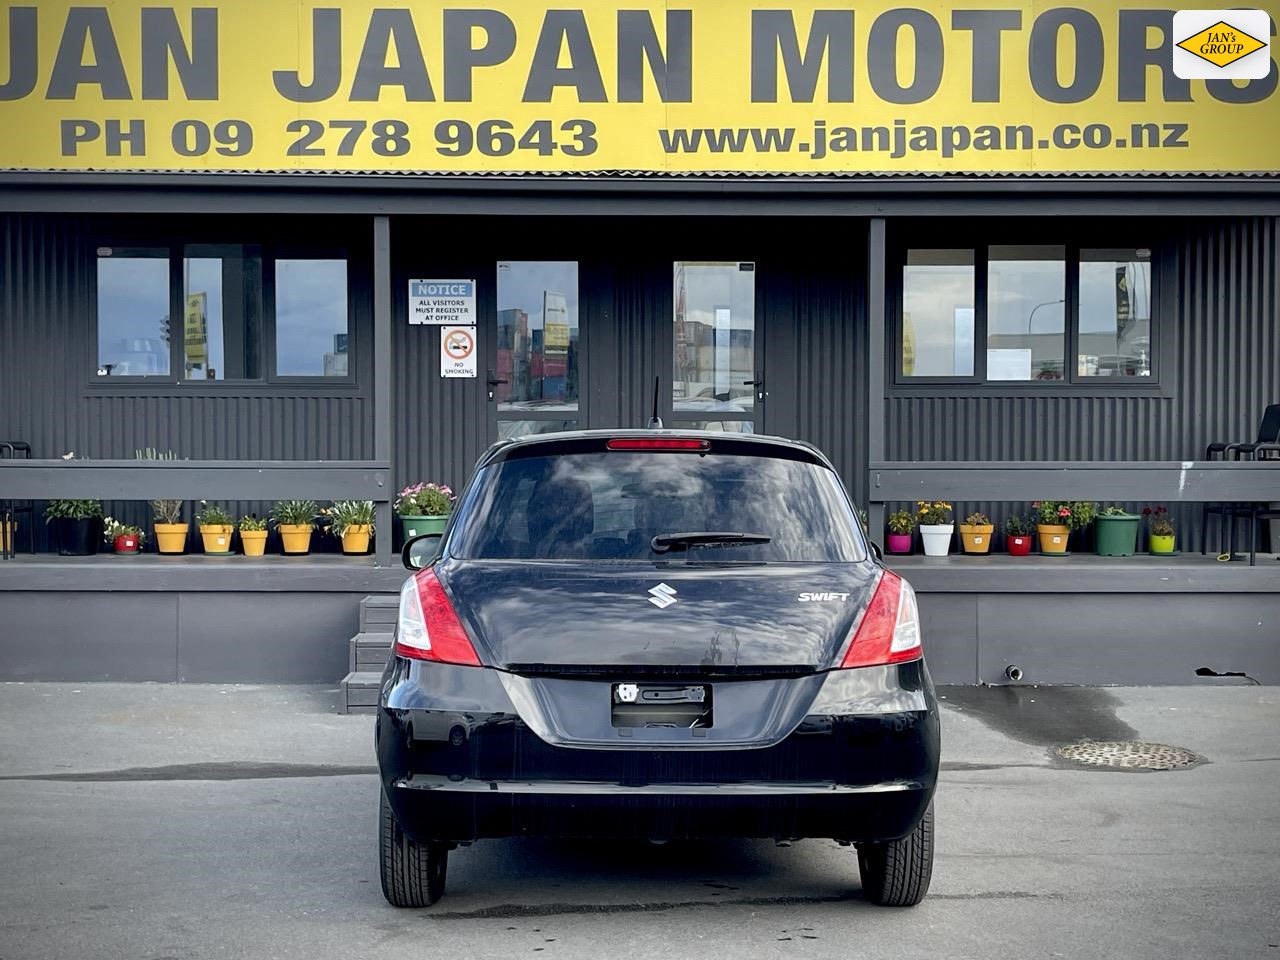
pixel 899 542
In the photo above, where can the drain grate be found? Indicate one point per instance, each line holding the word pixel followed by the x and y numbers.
pixel 1130 755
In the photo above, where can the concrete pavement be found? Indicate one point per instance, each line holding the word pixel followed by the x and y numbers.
pixel 150 821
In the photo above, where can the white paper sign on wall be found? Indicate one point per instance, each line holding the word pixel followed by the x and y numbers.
pixel 457 351
pixel 441 302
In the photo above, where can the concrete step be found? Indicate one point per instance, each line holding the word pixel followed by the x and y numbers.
pixel 368 651
pixel 359 692
pixel 378 613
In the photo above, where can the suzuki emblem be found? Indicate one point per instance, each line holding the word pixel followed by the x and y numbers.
pixel 662 596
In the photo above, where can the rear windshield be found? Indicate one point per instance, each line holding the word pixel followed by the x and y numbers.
pixel 611 505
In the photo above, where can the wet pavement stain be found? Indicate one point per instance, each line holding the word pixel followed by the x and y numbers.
pixel 1043 716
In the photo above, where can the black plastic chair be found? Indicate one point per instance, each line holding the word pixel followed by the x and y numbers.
pixel 1262 511
pixel 1266 447
pixel 10 509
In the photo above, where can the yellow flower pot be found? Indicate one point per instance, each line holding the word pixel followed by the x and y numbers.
pixel 8 530
pixel 1162 544
pixel 217 538
pixel 1053 537
pixel 976 537
pixel 171 537
pixel 356 538
pixel 254 542
pixel 296 537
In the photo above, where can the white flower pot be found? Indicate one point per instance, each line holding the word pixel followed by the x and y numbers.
pixel 937 538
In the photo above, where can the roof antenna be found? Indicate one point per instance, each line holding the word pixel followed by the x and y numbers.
pixel 655 422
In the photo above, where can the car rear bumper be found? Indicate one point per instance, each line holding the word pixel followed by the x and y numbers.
pixel 455 772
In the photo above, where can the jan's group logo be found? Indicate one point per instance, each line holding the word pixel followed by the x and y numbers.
pixel 1221 44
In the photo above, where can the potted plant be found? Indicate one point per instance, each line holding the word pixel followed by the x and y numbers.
pixel 8 531
pixel 351 521
pixel 1160 533
pixel 1117 532
pixel 76 524
pixel 1018 531
pixel 216 527
pixel 975 533
pixel 123 537
pixel 424 508
pixel 171 532
pixel 253 535
pixel 901 524
pixel 1053 525
pixel 295 519
pixel 936 526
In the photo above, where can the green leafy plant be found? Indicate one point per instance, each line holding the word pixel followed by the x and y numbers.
pixel 1160 523
pixel 112 528
pixel 425 500
pixel 1074 514
pixel 252 523
pixel 294 512
pixel 933 512
pixel 1019 527
pixel 72 510
pixel 977 520
pixel 345 514
pixel 212 515
pixel 901 522
pixel 167 511
pixel 1114 511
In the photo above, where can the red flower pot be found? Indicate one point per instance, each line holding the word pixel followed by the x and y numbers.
pixel 1019 546
pixel 899 543
pixel 127 543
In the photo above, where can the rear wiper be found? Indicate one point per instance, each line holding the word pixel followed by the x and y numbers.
pixel 724 538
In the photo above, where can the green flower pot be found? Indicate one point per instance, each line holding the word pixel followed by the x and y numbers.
pixel 417 526
pixel 1117 535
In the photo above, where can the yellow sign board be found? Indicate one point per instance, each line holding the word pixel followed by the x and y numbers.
pixel 195 336
pixel 813 86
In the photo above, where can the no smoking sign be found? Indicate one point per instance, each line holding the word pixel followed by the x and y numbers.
pixel 457 351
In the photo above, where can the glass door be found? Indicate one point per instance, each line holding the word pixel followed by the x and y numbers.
pixel 716 376
pixel 535 373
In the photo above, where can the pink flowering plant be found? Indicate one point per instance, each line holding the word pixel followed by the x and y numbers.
pixel 425 500
pixel 1076 514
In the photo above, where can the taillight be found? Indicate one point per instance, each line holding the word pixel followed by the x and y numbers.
pixel 428 628
pixel 890 629
pixel 659 443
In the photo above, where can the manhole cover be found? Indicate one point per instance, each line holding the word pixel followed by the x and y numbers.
pixel 1130 755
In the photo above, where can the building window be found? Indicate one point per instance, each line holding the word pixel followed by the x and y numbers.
pixel 311 318
pixel 133 312
pixel 713 362
pixel 937 314
pixel 201 312
pixel 537 342
pixel 1035 306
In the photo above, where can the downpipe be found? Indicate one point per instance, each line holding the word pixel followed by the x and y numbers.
pixel 1013 672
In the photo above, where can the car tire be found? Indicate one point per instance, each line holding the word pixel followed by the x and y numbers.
pixel 413 873
pixel 897 873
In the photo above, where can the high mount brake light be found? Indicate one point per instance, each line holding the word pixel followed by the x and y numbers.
pixel 890 629
pixel 658 443
pixel 428 628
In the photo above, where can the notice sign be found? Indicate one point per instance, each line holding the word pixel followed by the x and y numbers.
pixel 442 302
pixel 457 351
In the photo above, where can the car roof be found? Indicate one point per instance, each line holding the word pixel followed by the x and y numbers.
pixel 575 438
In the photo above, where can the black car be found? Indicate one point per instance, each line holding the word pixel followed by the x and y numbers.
pixel 655 635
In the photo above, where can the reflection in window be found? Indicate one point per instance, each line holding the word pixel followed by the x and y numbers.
pixel 724 426
pixel 714 355
pixel 1026 299
pixel 1115 313
pixel 221 312
pixel 937 313
pixel 509 429
pixel 537 335
pixel 311 318
pixel 133 312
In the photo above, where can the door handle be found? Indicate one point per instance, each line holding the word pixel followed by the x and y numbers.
pixel 758 383
pixel 493 382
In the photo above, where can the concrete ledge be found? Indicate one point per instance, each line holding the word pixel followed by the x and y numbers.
pixel 153 573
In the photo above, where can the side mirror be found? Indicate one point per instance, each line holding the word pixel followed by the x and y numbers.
pixel 875 550
pixel 420 551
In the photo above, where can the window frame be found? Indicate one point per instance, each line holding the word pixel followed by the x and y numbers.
pixel 270 383
pixel 1163 304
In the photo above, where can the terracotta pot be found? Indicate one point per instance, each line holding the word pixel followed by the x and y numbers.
pixel 125 543
pixel 254 542
pixel 1164 544
pixel 171 537
pixel 356 538
pixel 899 542
pixel 1019 544
pixel 296 537
pixel 1053 537
pixel 976 537
pixel 936 538
pixel 217 538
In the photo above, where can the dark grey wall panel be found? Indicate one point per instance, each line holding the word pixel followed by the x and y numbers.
pixel 949 626
pixel 1224 319
pixel 88 636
